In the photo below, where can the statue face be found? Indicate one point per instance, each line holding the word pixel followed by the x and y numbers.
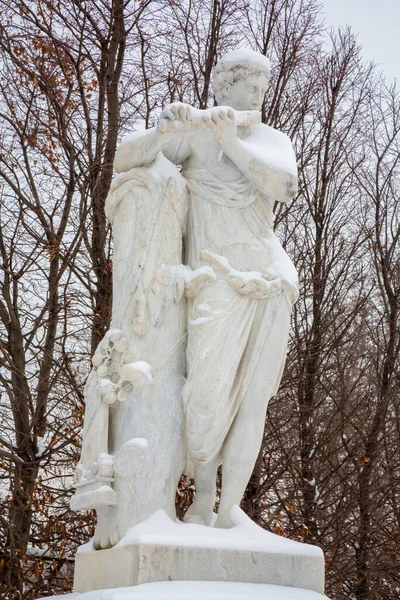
pixel 248 93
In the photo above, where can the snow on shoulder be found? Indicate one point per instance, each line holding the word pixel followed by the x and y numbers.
pixel 273 148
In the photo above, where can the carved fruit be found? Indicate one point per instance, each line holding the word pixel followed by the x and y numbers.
pixel 127 357
pixel 104 343
pixel 114 367
pixel 114 337
pixel 102 370
pixel 97 359
pixel 122 396
pixel 107 387
pixel 110 398
pixel 121 345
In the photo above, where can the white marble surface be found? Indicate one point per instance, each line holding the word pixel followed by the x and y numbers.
pixel 161 549
pixel 202 298
pixel 134 414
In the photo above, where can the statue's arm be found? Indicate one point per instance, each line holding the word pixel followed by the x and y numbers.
pixel 266 157
pixel 273 177
pixel 271 180
pixel 140 149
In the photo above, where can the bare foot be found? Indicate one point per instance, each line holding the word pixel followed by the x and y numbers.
pixel 106 534
pixel 224 520
pixel 199 513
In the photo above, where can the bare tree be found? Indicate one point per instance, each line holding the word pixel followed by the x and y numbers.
pixel 60 113
pixel 76 75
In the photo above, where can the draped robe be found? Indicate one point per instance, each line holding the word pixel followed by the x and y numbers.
pixel 236 344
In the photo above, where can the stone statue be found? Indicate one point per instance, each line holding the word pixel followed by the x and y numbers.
pixel 198 271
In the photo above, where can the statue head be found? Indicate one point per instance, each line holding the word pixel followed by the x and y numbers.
pixel 241 78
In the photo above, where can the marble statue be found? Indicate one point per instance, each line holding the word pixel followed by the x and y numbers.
pixel 202 298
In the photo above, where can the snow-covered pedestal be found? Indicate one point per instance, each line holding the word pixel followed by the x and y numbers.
pixel 160 549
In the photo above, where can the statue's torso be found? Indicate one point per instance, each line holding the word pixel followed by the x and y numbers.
pixel 206 154
pixel 226 214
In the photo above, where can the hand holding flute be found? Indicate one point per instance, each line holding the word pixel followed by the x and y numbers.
pixel 182 117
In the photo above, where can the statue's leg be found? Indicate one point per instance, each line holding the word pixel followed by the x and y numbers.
pixel 218 331
pixel 213 360
pixel 263 361
pixel 201 511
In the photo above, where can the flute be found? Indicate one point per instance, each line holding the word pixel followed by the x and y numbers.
pixel 243 118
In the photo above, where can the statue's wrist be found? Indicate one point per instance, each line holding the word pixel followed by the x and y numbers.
pixel 230 145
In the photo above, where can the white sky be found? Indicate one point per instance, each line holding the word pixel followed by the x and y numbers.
pixel 377 23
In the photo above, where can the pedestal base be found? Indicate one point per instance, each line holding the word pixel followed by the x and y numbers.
pixel 197 590
pixel 133 565
pixel 163 550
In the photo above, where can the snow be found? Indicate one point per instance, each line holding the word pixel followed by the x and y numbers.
pixel 41 446
pixel 240 277
pixel 247 57
pixel 38 552
pixel 112 335
pixel 106 459
pixel 225 265
pixel 88 547
pixel 201 320
pixel 219 260
pixel 161 167
pixel 142 366
pixel 282 265
pixel 204 306
pixel 247 276
pixel 159 528
pixel 136 135
pixel 272 148
pixel 138 442
pixel 188 274
pixel 106 385
pixel 243 118
pixel 199 590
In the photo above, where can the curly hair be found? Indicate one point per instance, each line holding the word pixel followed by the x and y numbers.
pixel 233 67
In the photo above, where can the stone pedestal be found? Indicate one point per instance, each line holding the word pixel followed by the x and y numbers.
pixel 161 549
pixel 145 563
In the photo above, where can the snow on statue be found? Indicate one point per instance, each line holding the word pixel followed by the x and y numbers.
pixel 228 306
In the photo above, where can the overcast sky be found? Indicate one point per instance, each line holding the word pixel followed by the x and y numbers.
pixel 377 23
